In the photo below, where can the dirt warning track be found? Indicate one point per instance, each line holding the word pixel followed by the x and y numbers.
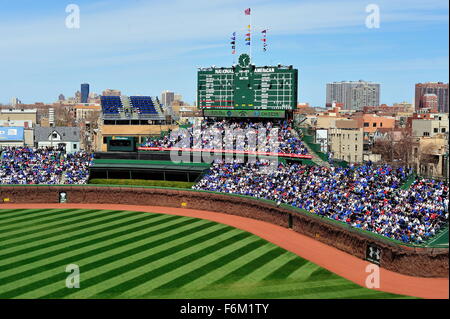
pixel 335 260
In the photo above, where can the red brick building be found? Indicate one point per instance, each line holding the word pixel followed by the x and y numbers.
pixel 430 101
pixel 440 89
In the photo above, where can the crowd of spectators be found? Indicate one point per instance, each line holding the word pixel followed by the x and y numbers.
pixel 367 196
pixel 215 135
pixel 26 165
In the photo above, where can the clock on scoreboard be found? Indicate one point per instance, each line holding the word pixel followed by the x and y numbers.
pixel 247 87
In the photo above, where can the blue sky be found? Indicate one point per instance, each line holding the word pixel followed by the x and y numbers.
pixel 144 47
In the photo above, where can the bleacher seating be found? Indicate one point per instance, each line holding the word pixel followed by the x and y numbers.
pixel 158 105
pixel 111 105
pixel 144 104
pixel 131 108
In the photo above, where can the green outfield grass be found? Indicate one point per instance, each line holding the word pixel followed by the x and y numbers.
pixel 124 254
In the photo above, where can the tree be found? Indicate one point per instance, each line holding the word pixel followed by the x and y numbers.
pixel 64 117
pixel 88 126
pixel 427 155
pixel 403 148
pixel 394 149
pixel 384 146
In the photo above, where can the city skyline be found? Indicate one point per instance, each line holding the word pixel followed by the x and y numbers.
pixel 326 41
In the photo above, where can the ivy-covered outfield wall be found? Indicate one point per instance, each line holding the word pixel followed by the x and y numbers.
pixel 395 256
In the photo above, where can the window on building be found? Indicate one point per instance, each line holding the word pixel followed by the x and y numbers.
pixel 436 130
pixel 74 146
pixel 426 133
pixel 381 124
pixel 104 140
pixel 356 147
pixel 374 124
pixel 443 130
pixel 366 124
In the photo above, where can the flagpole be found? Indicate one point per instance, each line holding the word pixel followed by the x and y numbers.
pixel 250 31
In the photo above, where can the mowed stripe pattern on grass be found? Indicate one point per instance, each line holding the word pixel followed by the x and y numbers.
pixel 124 254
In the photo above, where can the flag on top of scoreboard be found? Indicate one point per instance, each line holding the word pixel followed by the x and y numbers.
pixel 233 43
pixel 248 35
pixel 264 40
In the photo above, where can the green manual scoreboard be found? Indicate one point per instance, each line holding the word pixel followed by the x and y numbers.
pixel 247 87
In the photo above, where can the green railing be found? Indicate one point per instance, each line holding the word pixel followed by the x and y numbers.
pixel 303 161
pixel 409 181
pixel 308 139
pixel 185 125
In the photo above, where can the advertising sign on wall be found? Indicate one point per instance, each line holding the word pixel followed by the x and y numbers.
pixel 11 133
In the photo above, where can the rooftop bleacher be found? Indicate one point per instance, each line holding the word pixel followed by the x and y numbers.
pixel 135 108
pixel 111 105
pixel 143 104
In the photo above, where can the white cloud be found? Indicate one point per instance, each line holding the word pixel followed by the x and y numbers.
pixel 116 33
pixel 168 22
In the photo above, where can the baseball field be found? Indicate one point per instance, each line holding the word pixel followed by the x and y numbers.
pixel 127 254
